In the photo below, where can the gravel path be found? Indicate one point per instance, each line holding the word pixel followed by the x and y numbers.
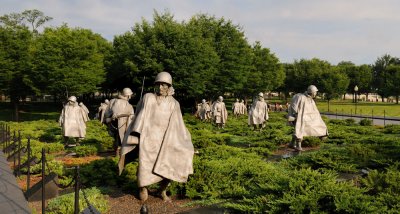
pixel 123 203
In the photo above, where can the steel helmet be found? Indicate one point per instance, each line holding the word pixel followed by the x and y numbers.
pixel 72 98
pixel 260 94
pixel 106 101
pixel 164 77
pixel 312 89
pixel 127 92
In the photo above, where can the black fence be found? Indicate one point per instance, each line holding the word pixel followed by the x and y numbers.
pixel 383 120
pixel 48 187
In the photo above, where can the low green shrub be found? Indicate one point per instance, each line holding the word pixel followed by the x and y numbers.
pixel 65 203
pixel 85 150
pixel 51 166
pixel 311 142
pixel 392 129
pixel 365 122
pixel 104 172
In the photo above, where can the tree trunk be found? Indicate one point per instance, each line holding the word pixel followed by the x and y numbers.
pixel 16 109
pixel 328 105
pixel 397 99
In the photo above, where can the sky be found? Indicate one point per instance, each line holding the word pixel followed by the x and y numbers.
pixel 359 31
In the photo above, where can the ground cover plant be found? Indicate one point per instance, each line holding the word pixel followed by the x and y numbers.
pixel 233 166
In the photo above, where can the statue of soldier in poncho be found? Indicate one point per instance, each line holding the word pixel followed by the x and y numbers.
pixel 102 109
pixel 305 117
pixel 236 108
pixel 118 116
pixel 220 114
pixel 243 108
pixel 72 120
pixel 85 110
pixel 165 145
pixel 205 111
pixel 258 113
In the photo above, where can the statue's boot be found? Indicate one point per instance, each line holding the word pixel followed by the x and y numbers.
pixel 298 147
pixel 292 143
pixel 163 190
pixel 143 195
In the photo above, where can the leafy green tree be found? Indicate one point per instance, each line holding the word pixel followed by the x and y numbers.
pixel 28 18
pixel 15 64
pixel 381 75
pixel 16 48
pixel 70 61
pixel 164 45
pixel 358 75
pixel 303 73
pixel 267 73
pixel 233 50
pixel 393 84
pixel 333 84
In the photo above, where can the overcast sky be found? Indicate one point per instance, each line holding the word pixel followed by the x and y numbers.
pixel 334 30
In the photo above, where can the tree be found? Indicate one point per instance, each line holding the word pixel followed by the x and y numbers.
pixel 333 84
pixel 34 18
pixel 303 73
pixel 381 76
pixel 16 54
pixel 267 73
pixel 15 64
pixel 393 83
pixel 358 75
pixel 164 45
pixel 70 61
pixel 233 50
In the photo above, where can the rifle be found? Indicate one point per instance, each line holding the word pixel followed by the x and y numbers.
pixel 141 93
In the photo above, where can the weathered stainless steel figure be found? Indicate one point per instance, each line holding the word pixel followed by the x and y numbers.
pixel 118 117
pixel 102 109
pixel 305 117
pixel 72 120
pixel 243 108
pixel 205 111
pixel 236 108
pixel 165 145
pixel 258 113
pixel 86 111
pixel 220 114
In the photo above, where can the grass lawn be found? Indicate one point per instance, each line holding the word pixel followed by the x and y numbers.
pixel 364 108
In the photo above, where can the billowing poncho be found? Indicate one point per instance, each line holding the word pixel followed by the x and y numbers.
pixel 220 114
pixel 258 113
pixel 102 109
pixel 308 119
pixel 123 111
pixel 237 108
pixel 165 144
pixel 72 121
pixel 205 111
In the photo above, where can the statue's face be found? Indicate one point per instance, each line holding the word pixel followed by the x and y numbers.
pixel 70 102
pixel 203 101
pixel 313 94
pixel 220 99
pixel 162 89
pixel 260 98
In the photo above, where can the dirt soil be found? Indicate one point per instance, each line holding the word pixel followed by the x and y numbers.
pixel 123 203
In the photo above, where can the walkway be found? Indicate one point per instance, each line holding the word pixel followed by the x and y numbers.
pixel 377 120
pixel 12 199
